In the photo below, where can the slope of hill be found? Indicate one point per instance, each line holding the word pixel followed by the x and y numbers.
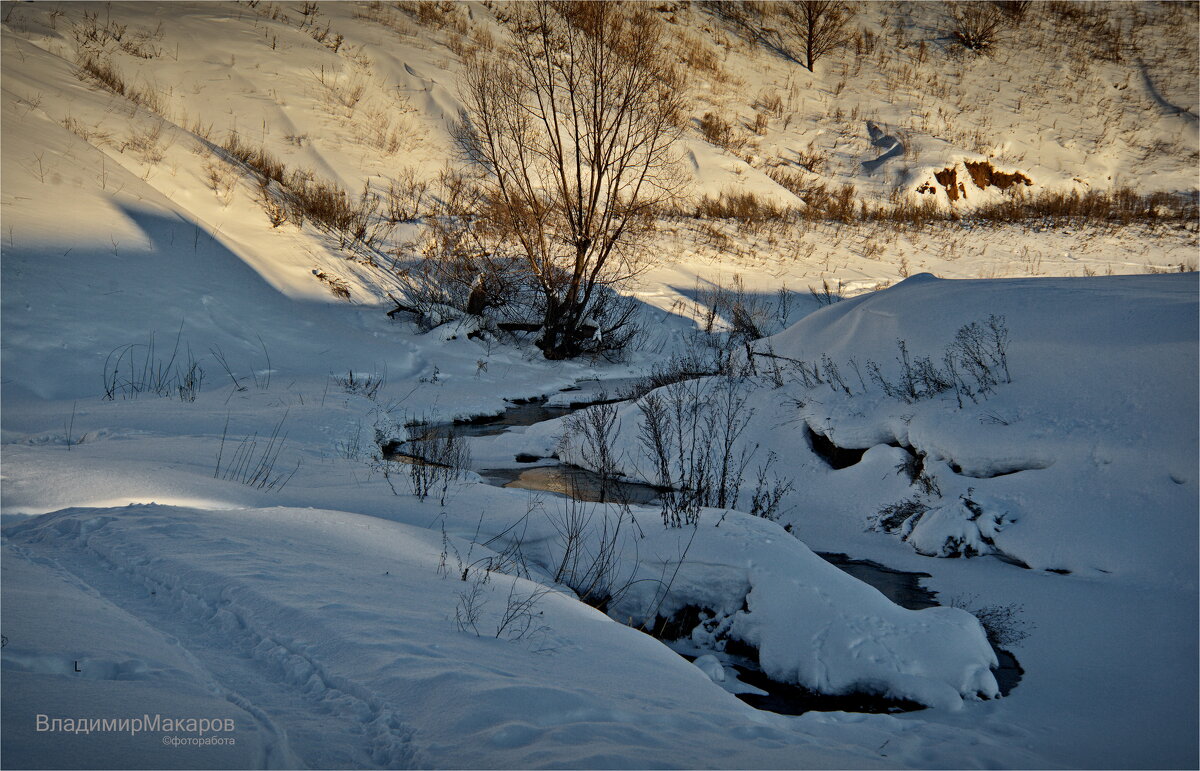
pixel 198 384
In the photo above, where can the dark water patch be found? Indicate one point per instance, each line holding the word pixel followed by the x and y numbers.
pixel 573 482
pixel 900 587
pixel 526 414
pixel 785 699
pixel 521 412
pixel 1009 674
pixel 836 457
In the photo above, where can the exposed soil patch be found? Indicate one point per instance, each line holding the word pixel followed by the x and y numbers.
pixel 984 174
pixel 948 179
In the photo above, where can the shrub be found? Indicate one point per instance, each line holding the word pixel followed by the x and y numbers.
pixel 690 433
pixel 105 74
pixel 595 429
pixel 257 158
pixel 1120 206
pixel 434 460
pixel 976 24
pixel 589 558
pixel 1001 622
pixel 893 517
pixel 747 208
pixel 367 384
pixel 769 493
pixel 979 351
pixel 721 132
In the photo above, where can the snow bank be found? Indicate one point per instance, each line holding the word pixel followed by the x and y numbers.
pixel 1084 462
pixel 341 628
pixel 811 623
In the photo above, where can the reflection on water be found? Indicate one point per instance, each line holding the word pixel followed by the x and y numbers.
pixel 573 482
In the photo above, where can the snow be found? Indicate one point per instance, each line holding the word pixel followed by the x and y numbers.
pixel 323 615
pixel 350 621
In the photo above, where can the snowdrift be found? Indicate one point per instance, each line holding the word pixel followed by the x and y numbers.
pixel 1085 462
pixel 353 620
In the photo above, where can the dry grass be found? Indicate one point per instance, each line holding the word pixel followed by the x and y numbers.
pixel 1123 206
pixel 257 158
pixel 147 143
pixel 100 70
pixel 721 132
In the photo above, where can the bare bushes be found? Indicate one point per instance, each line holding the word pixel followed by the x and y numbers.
pixel 518 619
pixel 353 219
pixel 589 555
pixel 747 208
pixel 975 24
pixel 892 517
pixel 595 430
pixel 257 158
pixel 690 432
pixel 432 462
pixel 101 71
pixel 770 489
pixel 438 461
pixel 363 384
pixel 464 268
pixel 1001 622
pixel 822 202
pixel 721 132
pixel 748 316
pixel 405 197
pixel 971 367
pixel 469 270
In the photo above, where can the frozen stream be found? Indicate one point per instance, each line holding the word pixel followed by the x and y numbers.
pixel 745 679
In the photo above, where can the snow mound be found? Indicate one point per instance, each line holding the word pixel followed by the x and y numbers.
pixel 1085 461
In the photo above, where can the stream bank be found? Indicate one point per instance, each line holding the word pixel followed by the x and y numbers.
pixel 740 672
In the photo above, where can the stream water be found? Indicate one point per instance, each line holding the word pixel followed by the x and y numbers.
pixel 750 684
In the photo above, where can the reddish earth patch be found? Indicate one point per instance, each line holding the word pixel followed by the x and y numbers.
pixel 984 174
pixel 948 178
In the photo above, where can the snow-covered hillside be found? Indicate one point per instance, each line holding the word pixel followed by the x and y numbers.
pixel 199 520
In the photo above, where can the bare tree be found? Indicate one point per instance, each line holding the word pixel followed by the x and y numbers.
pixel 575 124
pixel 819 26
